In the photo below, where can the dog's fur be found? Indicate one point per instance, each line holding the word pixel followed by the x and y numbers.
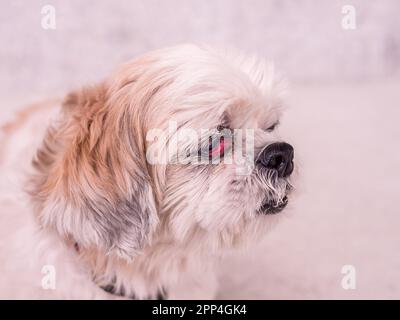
pixel 103 216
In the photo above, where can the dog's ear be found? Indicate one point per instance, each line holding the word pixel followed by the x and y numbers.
pixel 92 183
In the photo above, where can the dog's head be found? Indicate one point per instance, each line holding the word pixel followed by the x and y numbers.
pixel 181 143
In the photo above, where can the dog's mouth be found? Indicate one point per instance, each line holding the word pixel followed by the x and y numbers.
pixel 273 206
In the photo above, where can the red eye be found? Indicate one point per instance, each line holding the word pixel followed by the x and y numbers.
pixel 217 149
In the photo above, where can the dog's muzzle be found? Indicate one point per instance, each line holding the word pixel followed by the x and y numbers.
pixel 276 158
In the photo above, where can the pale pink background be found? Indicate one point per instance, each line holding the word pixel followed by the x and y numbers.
pixel 342 118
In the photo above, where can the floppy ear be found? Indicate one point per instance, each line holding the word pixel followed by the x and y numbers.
pixel 92 183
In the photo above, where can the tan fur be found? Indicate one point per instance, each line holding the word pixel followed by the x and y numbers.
pixel 147 227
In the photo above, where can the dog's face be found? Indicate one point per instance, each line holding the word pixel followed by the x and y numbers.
pixel 182 142
pixel 227 193
pixel 225 169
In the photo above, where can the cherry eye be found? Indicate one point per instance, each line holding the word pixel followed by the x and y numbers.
pixel 216 148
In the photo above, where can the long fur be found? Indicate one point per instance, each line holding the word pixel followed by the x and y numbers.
pixel 148 228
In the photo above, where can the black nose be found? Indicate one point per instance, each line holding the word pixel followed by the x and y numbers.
pixel 279 157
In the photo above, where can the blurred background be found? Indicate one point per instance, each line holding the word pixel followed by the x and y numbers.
pixel 342 118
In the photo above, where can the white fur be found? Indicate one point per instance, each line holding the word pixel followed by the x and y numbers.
pixel 201 212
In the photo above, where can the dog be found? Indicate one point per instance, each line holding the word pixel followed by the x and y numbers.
pixel 119 203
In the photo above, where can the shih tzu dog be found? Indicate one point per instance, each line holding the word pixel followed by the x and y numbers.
pixel 141 182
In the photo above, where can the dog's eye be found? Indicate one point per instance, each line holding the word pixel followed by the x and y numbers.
pixel 217 144
pixel 272 128
pixel 216 147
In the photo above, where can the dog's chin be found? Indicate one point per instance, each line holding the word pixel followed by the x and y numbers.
pixel 272 206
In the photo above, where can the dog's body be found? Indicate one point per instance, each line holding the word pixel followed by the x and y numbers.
pixel 100 214
pixel 28 253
